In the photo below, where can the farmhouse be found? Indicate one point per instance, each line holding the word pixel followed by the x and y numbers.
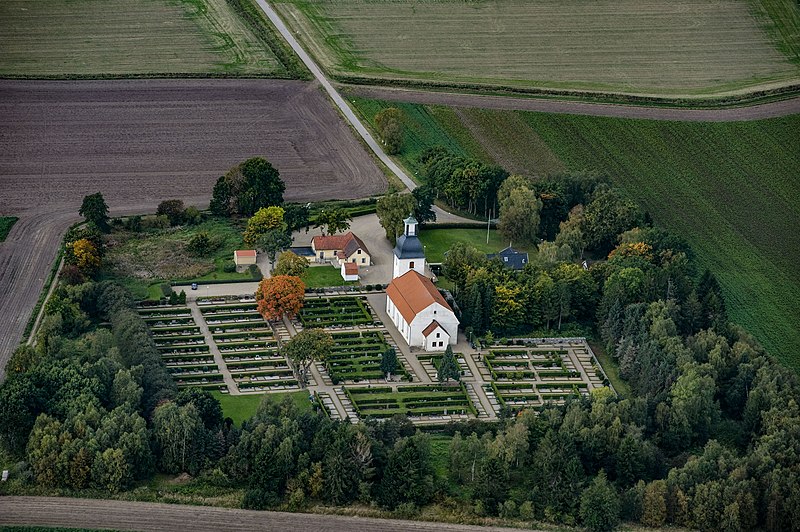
pixel 511 258
pixel 243 258
pixel 420 312
pixel 341 248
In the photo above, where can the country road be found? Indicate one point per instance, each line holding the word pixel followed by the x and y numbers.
pixel 146 516
pixel 348 113
pixel 753 112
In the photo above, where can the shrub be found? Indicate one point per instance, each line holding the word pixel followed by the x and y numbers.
pixel 255 272
pixel 173 210
pixel 192 215
pixel 200 244
pixel 229 266
pixel 166 289
pixel 134 224
pixel 155 222
pixel 368 288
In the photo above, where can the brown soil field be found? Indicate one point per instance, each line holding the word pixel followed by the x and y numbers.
pixel 123 515
pixel 142 141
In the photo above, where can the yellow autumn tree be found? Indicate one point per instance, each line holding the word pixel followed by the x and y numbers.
pixel 87 258
pixel 263 221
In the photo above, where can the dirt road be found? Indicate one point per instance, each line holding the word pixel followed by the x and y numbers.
pixel 754 112
pixel 142 141
pixel 123 515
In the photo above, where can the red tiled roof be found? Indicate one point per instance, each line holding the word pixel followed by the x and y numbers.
pixel 245 253
pixel 350 268
pixel 430 328
pixel 348 243
pixel 412 293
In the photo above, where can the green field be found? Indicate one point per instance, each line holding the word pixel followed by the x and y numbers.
pixel 242 407
pixel 438 241
pixel 6 223
pixel 64 38
pixel 644 46
pixel 731 189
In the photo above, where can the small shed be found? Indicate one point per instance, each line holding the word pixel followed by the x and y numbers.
pixel 349 271
pixel 243 258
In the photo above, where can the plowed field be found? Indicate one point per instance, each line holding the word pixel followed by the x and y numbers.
pixel 140 142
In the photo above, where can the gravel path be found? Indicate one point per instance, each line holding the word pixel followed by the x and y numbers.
pixel 123 515
pixel 753 112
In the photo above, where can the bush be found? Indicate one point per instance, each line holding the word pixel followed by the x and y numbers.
pixel 173 210
pixel 192 216
pixel 134 224
pixel 255 272
pixel 155 222
pixel 166 289
pixel 200 244
pixel 368 288
pixel 229 266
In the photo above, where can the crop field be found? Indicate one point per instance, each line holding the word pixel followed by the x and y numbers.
pixel 63 38
pixel 681 47
pixel 414 401
pixel 731 189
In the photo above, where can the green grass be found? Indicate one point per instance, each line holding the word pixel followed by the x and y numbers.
pixel 141 261
pixel 611 369
pixel 438 241
pixel 94 38
pixel 323 276
pixel 6 223
pixel 242 407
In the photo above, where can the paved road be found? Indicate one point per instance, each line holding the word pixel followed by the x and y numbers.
pixel 753 112
pixel 145 516
pixel 335 96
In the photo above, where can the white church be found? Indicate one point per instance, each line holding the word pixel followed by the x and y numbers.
pixel 413 303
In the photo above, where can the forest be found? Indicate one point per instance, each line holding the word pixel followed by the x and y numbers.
pixel 708 437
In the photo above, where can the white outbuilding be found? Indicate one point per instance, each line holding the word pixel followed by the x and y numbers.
pixel 420 312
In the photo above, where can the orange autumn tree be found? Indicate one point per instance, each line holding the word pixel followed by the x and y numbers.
pixel 279 295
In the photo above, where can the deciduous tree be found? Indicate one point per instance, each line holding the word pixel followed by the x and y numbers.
pixel 391 211
pixel 519 216
pixel 389 123
pixel 95 211
pixel 173 210
pixel 279 295
pixel 307 346
pixel 600 505
pixel 290 264
pixel 264 220
pixel 333 220
pixel 273 242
